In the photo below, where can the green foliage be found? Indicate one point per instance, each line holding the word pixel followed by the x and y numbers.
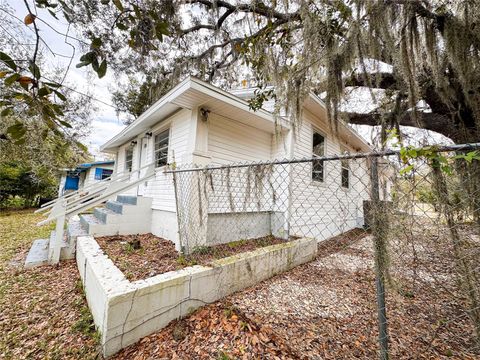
pixel 25 86
pixel 183 260
pixel 19 181
pixel 85 324
pixel 260 96
pixel 223 356
pixel 237 243
pixel 202 250
pixel 135 97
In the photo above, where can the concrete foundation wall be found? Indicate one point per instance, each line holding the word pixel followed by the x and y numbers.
pixel 165 225
pixel 124 312
pixel 242 225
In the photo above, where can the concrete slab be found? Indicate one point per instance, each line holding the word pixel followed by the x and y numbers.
pixel 38 254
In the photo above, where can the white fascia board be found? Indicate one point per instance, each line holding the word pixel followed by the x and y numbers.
pixel 189 83
pixel 167 98
pixel 345 126
pixel 229 98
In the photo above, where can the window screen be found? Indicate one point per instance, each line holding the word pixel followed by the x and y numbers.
pixel 161 149
pixel 102 174
pixel 128 159
pixel 345 174
pixel 318 150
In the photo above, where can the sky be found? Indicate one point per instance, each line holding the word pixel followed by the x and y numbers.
pixel 105 123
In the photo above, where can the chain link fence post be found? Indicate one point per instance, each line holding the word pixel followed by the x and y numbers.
pixel 379 239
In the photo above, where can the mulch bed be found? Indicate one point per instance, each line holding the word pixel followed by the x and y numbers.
pixel 157 256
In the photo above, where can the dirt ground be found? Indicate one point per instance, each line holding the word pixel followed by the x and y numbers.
pixel 325 309
pixel 157 255
pixel 43 312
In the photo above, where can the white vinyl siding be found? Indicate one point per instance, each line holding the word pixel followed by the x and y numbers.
pixel 323 209
pixel 161 187
pixel 230 141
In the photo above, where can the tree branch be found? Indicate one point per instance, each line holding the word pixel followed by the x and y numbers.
pixel 259 9
pixel 380 80
pixel 439 123
pixel 37 34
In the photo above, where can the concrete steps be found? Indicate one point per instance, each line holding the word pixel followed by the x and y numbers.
pixel 124 216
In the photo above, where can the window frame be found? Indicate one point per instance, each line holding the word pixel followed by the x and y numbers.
pixel 343 168
pixel 312 172
pixel 167 147
pixel 101 175
pixel 129 162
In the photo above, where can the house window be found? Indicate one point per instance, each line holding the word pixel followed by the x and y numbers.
pixel 345 177
pixel 102 174
pixel 161 149
pixel 318 149
pixel 128 159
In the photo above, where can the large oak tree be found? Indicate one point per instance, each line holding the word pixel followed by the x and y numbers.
pixel 433 47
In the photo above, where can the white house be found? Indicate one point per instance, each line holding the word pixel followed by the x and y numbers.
pixel 198 123
pixel 84 175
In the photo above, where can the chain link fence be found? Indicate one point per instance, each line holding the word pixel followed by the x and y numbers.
pixel 411 218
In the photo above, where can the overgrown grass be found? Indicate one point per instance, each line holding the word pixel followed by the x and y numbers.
pixel 18 229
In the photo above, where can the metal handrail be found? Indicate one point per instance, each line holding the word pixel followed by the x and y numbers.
pixel 62 207
pixel 95 187
pixel 51 203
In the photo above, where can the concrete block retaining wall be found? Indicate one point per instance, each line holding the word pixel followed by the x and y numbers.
pixel 125 311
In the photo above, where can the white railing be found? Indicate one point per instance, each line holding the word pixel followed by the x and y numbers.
pixel 81 200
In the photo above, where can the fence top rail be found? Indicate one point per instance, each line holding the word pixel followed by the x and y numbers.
pixel 373 154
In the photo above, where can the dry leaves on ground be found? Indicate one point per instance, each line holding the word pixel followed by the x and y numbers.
pixel 157 256
pixel 43 311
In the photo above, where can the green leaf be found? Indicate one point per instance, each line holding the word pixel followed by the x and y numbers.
pixel 96 43
pixel 118 4
pixel 122 26
pixel 60 95
pixel 44 91
pixel 406 169
pixel 6 112
pixel 65 123
pixel 102 69
pixel 87 59
pixel 35 70
pixel 55 85
pixel 161 28
pixel 82 64
pixel 57 108
pixel 95 64
pixel 11 79
pixel 8 61
pixel 53 14
pixel 17 130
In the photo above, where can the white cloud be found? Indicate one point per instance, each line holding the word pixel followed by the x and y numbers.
pixel 102 131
